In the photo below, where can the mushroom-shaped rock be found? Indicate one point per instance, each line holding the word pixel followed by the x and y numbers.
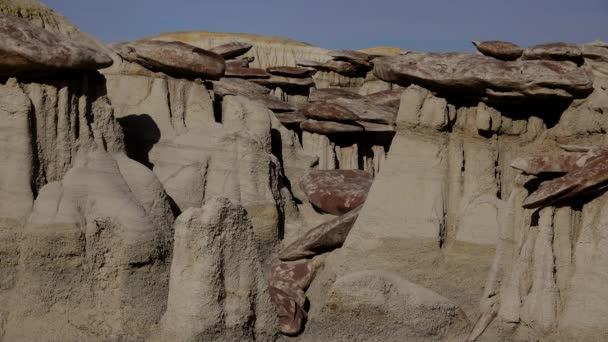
pixel 173 58
pixel 351 56
pixel 246 72
pixel 505 51
pixel 336 191
pixel 29 49
pixel 554 52
pixel 390 98
pixel 585 173
pixel 329 127
pixel 326 94
pixel 288 281
pixel 323 238
pixel 483 76
pixel 232 50
pixel 286 83
pixel 289 71
pixel 327 111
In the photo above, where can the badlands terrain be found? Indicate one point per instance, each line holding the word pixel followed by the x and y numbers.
pixel 200 186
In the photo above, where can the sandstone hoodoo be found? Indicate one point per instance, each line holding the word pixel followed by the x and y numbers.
pixel 173 58
pixel 28 49
pixel 201 186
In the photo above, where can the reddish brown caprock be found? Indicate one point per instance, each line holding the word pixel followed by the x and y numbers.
pixel 336 191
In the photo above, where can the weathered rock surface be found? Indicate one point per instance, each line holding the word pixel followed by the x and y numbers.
pixel 329 127
pixel 323 238
pixel 252 91
pixel 390 98
pixel 291 119
pixel 288 71
pixel 336 191
pixel 246 72
pixel 484 76
pixel 555 52
pixel 216 256
pixel 286 83
pixel 369 111
pixel 326 94
pixel 236 86
pixel 242 62
pixel 173 58
pixel 232 50
pixel 28 49
pixel 351 56
pixel 584 174
pixel 327 111
pixel 505 51
pixel 377 305
pixel 340 67
pixel 288 281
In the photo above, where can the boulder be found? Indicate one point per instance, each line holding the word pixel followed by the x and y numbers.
pixel 323 238
pixel 555 52
pixel 173 58
pixel 482 76
pixel 327 111
pixel 287 284
pixel 246 72
pixel 232 50
pixel 336 191
pixel 498 49
pixel 288 71
pixel 329 127
pixel 28 49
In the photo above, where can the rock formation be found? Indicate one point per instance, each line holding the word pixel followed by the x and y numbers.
pixel 229 187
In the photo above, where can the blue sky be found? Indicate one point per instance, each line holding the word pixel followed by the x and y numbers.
pixel 427 25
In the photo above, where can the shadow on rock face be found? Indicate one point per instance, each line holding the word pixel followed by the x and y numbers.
pixel 141 134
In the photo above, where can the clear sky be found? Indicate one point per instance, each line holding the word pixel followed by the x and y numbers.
pixel 427 25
